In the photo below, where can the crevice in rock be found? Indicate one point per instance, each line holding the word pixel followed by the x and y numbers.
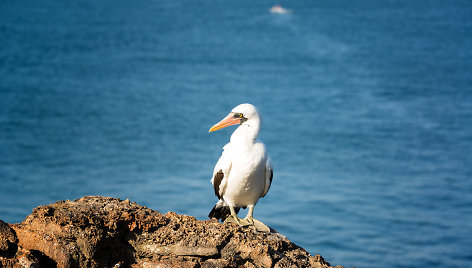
pixel 112 251
pixel 12 249
pixel 44 261
pixel 223 243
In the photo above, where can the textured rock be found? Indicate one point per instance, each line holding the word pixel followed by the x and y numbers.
pixel 96 231
pixel 8 240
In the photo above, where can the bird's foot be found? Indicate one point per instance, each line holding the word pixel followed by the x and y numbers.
pixel 248 221
pixel 261 227
pixel 255 225
pixel 234 219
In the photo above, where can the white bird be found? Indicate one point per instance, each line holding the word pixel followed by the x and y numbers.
pixel 243 174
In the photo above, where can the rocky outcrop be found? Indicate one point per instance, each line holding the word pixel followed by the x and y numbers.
pixel 96 231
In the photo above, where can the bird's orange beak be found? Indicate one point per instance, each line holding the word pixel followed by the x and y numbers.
pixel 229 120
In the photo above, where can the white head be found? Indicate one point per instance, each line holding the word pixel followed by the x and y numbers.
pixel 246 116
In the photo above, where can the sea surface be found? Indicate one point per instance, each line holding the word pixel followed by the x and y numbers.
pixel 366 107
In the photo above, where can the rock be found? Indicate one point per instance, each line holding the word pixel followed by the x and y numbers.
pixel 96 231
pixel 8 240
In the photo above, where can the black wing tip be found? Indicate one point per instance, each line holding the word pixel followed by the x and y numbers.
pixel 221 213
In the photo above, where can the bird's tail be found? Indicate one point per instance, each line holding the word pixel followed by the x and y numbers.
pixel 221 211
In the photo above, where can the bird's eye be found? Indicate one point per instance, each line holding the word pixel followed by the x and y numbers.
pixel 240 115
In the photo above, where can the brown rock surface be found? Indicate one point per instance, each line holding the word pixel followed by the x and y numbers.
pixel 96 231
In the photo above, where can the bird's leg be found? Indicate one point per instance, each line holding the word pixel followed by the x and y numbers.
pixel 249 219
pixel 233 218
pixel 253 223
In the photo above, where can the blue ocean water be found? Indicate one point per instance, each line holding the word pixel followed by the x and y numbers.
pixel 366 106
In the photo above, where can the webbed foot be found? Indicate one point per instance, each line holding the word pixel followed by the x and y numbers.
pixel 255 224
pixel 248 221
pixel 235 219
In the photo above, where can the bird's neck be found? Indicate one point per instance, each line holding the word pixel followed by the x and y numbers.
pixel 246 134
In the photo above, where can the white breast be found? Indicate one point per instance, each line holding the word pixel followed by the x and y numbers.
pixel 246 178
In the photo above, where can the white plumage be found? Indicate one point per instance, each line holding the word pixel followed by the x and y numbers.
pixel 243 174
